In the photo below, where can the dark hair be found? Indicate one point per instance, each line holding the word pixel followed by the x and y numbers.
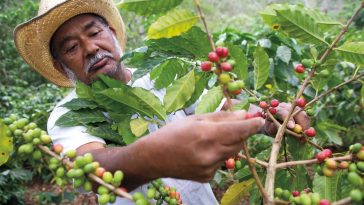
pixel 51 43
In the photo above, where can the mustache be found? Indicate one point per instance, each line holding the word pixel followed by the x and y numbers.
pixel 96 58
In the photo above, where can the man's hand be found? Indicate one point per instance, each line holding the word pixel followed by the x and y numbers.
pixel 195 147
pixel 190 148
pixel 282 112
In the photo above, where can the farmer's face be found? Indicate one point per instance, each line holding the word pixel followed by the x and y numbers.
pixel 86 46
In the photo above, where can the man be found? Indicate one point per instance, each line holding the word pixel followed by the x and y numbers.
pixel 76 40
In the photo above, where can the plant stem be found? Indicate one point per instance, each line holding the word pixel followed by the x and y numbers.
pixel 95 178
pixel 271 170
pixel 261 163
pixel 231 108
pixel 310 161
pixel 328 92
pixel 198 5
pixel 254 172
pixel 343 201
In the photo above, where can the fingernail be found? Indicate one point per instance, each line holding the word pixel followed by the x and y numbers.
pixel 290 125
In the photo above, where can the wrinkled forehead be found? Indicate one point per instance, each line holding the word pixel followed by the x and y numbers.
pixel 79 22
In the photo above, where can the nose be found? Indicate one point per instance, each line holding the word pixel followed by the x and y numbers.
pixel 91 48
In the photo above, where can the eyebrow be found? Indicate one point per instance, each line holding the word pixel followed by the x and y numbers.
pixel 85 28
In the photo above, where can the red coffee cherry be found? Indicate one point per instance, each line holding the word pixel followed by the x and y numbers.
pixel 272 110
pixel 213 57
pixel 295 193
pixel 263 105
pixel 301 102
pixel 324 202
pixel 274 103
pixel 320 156
pixel 299 68
pixel 327 152
pixel 222 51
pixel 310 132
pixel 230 163
pixel 225 66
pixel 206 66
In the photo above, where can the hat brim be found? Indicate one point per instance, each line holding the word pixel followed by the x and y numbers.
pixel 32 38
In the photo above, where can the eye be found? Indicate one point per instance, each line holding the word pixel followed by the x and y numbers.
pixel 95 33
pixel 71 48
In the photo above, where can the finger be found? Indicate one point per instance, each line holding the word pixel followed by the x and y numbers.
pixel 221 116
pixel 303 119
pixel 282 115
pixel 270 128
pixel 234 132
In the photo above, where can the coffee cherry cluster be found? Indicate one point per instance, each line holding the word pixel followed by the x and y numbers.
pixel 305 197
pixel 355 175
pixel 218 60
pixel 233 163
pixel 27 132
pixel 161 193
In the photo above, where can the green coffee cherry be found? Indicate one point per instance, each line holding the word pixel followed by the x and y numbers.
pixel 103 199
pixel 60 172
pixel 151 193
pixel 87 186
pixel 102 190
pixel 37 155
pixel 118 178
pixel 107 177
pixel 278 192
pixel 356 195
pixel 356 147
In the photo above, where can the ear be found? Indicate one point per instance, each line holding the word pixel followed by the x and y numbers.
pixel 59 67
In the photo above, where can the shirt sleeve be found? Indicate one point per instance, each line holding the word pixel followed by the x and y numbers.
pixel 69 137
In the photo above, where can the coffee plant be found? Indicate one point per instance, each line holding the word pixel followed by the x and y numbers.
pixel 303 59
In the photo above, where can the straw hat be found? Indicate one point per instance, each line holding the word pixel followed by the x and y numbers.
pixel 32 38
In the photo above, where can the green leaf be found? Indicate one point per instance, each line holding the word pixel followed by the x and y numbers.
pixel 105 131
pixel 125 131
pixel 79 103
pixel 172 24
pixel 83 90
pixel 352 52
pixel 331 131
pixel 269 15
pixel 193 43
pixel 325 23
pixel 329 187
pixel 80 117
pixel 241 66
pixel 201 80
pixel 236 192
pixel 139 99
pixel 139 126
pixel 284 53
pixel 148 7
pixel 111 82
pixel 298 24
pixel 210 101
pixel 300 152
pixel 261 67
pixel 179 92
pixel 6 144
pixel 362 95
pixel 319 82
pixel 166 73
pixel 284 180
pixel 243 174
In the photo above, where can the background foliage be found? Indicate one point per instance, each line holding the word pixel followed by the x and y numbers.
pixel 25 93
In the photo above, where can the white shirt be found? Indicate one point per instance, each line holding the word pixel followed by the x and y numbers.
pixel 73 137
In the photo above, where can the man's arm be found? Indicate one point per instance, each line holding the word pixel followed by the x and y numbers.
pixel 190 148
